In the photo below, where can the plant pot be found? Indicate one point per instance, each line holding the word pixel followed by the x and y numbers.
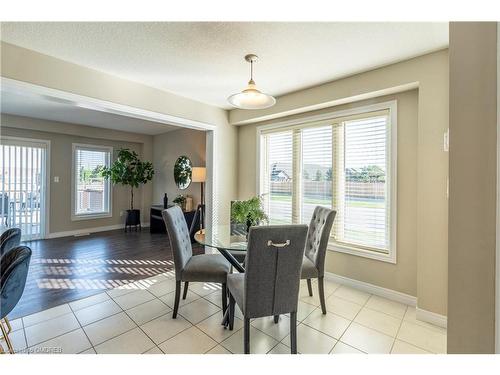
pixel 133 219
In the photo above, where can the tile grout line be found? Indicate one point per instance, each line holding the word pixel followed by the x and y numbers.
pixel 353 321
pixel 397 332
pixel 81 327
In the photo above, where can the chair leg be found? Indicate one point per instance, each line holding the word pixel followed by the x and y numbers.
pixel 232 303
pixel 186 284
pixel 321 291
pixel 7 339
pixel 309 287
pixel 246 338
pixel 224 298
pixel 293 332
pixel 177 298
pixel 9 327
pixel 276 319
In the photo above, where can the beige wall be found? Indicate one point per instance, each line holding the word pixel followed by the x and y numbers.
pixel 472 228
pixel 167 148
pixel 422 258
pixel 35 68
pixel 62 136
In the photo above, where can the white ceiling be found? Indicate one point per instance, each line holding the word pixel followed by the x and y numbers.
pixel 204 61
pixel 30 105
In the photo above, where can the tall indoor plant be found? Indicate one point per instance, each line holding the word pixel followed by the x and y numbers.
pixel 129 170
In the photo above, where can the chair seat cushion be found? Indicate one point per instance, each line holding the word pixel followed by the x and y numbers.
pixel 236 286
pixel 309 270
pixel 206 267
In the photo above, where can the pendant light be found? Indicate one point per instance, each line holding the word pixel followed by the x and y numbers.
pixel 250 97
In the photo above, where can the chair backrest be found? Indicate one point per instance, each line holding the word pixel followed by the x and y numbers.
pixel 14 267
pixel 195 224
pixel 318 236
pixel 179 238
pixel 9 239
pixel 272 269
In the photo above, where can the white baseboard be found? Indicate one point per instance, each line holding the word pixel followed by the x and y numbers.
pixel 432 317
pixel 86 231
pixel 373 289
pixel 423 315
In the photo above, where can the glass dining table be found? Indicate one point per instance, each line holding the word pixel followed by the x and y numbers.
pixel 226 240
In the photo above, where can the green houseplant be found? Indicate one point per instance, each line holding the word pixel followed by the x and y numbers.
pixel 180 200
pixel 249 212
pixel 129 170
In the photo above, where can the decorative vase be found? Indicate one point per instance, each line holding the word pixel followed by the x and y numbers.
pixel 189 204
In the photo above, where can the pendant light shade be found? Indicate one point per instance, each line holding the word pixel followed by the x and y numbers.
pixel 251 97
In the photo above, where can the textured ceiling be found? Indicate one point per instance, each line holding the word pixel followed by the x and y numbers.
pixel 204 61
pixel 35 106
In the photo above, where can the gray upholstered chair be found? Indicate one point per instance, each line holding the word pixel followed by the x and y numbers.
pixel 14 265
pixel 204 268
pixel 9 239
pixel 270 284
pixel 313 265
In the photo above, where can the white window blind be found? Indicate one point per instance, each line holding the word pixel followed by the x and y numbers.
pixel 316 189
pixel 343 164
pixel 278 177
pixel 91 191
pixel 360 179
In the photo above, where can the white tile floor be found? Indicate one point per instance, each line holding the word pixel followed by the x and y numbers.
pixel 138 319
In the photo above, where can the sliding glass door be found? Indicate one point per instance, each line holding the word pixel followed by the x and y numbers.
pixel 23 186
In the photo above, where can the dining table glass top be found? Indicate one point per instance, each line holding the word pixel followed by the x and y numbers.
pixel 221 237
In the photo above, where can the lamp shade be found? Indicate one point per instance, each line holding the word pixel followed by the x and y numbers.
pixel 198 174
pixel 251 98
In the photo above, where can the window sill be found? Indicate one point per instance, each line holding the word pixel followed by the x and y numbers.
pixel 351 250
pixel 91 216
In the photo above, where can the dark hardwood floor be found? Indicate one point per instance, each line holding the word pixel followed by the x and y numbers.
pixel 66 269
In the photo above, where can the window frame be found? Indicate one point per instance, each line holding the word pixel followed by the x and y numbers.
pixel 108 188
pixel 391 157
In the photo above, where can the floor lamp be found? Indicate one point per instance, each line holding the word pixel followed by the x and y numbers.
pixel 199 174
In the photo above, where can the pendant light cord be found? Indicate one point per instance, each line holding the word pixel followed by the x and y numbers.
pixel 251 70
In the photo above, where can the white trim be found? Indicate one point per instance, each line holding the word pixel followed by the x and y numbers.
pixel 421 314
pixel 109 198
pixel 392 163
pixel 211 204
pixel 373 289
pixel 365 253
pixel 87 231
pixel 327 116
pixel 431 317
pixel 45 204
pixel 87 102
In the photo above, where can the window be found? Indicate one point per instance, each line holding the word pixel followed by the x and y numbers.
pixel 91 192
pixel 346 162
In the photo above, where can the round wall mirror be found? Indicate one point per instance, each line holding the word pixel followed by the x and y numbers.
pixel 182 172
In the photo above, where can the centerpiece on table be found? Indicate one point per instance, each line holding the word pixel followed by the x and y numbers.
pixel 249 212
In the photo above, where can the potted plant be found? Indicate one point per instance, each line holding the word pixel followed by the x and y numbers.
pixel 249 212
pixel 180 200
pixel 129 170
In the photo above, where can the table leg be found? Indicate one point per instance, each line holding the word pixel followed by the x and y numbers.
pixel 232 260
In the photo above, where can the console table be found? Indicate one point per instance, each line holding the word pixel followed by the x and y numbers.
pixel 156 223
